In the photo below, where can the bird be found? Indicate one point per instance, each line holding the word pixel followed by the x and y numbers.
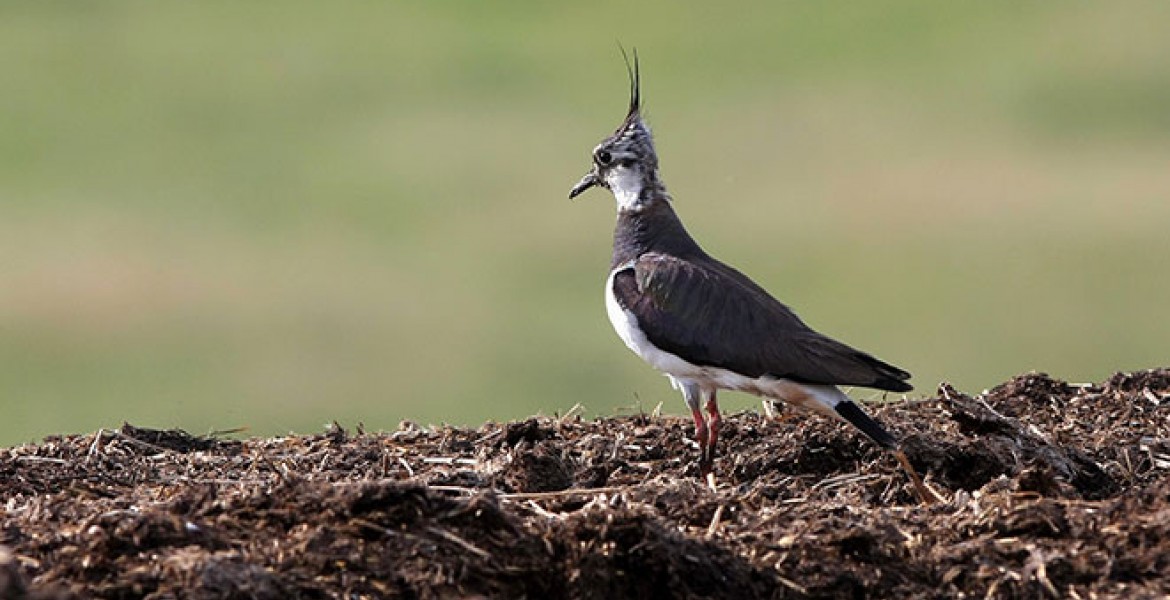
pixel 707 326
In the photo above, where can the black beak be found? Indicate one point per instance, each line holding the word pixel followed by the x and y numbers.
pixel 589 180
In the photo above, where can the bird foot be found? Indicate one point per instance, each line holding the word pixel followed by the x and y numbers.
pixel 707 470
pixel 707 466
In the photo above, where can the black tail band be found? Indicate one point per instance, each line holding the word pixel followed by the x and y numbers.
pixel 853 413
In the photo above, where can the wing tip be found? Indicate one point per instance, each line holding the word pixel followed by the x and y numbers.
pixel 889 377
pixel 892 384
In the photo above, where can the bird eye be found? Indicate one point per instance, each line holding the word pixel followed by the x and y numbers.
pixel 604 158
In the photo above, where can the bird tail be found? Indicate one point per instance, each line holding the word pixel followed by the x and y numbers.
pixel 872 429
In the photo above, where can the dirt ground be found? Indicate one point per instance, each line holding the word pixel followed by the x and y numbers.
pixel 1051 490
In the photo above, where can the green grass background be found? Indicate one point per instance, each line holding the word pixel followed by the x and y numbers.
pixel 219 215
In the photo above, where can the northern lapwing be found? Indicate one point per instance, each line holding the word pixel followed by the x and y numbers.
pixel 707 326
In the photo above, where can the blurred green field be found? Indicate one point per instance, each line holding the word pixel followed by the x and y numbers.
pixel 275 216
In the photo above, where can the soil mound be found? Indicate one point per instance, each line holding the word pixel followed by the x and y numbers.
pixel 1051 490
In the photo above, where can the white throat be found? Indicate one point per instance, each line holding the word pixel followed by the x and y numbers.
pixel 626 185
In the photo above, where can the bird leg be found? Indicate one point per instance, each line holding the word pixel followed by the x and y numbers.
pixel 706 429
pixel 714 421
pixel 705 435
pixel 701 431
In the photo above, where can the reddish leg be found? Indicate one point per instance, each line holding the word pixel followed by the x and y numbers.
pixel 706 431
pixel 705 435
pixel 701 431
pixel 714 420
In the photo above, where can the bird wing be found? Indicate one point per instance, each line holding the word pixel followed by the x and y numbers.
pixel 709 314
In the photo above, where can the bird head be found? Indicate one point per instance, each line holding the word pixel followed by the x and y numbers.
pixel 625 162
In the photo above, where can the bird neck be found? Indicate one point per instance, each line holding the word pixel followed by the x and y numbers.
pixel 653 227
pixel 636 189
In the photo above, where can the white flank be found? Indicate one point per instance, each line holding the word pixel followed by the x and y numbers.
pixel 626 325
pixel 818 398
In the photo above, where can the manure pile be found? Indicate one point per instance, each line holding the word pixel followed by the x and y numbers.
pixel 1052 490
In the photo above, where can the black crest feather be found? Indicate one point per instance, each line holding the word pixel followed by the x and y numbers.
pixel 635 81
